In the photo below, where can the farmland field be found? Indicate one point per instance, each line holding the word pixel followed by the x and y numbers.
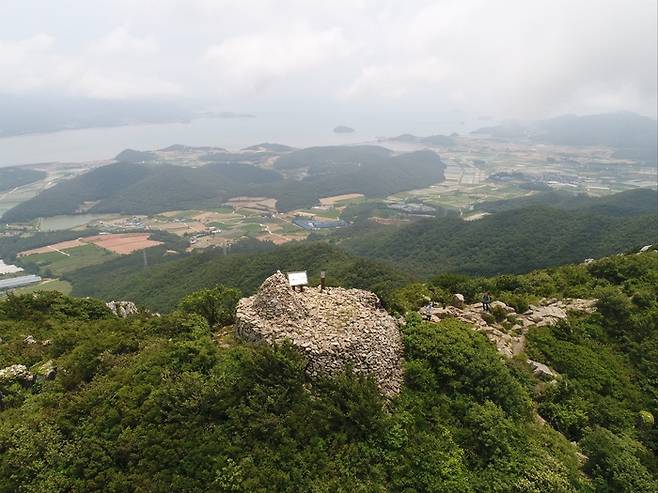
pixel 59 263
pixel 63 287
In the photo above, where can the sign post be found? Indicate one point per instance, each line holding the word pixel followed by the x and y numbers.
pixel 322 280
pixel 298 279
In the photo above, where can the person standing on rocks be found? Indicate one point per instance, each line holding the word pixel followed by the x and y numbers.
pixel 486 301
pixel 428 311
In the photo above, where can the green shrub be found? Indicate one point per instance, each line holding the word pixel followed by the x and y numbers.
pixel 216 305
pixel 499 313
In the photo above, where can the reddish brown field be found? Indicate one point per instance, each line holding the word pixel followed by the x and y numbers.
pixel 122 243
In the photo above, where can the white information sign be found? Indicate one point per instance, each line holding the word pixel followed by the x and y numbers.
pixel 297 278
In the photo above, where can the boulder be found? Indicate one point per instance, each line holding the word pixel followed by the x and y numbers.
pixel 541 370
pixel 46 370
pixel 458 300
pixel 122 309
pixel 500 304
pixel 334 328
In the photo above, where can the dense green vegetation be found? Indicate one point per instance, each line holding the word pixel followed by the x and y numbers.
pixel 135 185
pixel 158 404
pixel 154 404
pixel 12 177
pixel 168 279
pixel 630 203
pixel 606 397
pixel 145 189
pixel 370 170
pixel 513 241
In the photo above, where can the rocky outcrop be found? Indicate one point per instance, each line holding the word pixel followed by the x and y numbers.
pixel 16 372
pixel 508 335
pixel 334 328
pixel 541 370
pixel 122 309
pixel 46 370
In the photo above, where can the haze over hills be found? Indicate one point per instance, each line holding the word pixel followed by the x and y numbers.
pixel 634 136
pixel 12 177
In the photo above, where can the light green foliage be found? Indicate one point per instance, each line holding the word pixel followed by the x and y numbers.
pixel 618 463
pixel 56 263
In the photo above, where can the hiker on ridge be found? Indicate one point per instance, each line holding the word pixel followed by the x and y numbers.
pixel 486 301
pixel 428 311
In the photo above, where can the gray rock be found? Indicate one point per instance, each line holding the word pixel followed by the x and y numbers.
pixel 458 300
pixel 500 304
pixel 334 328
pixel 47 370
pixel 16 372
pixel 541 370
pixel 122 309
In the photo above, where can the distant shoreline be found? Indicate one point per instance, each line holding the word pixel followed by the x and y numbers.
pixel 137 123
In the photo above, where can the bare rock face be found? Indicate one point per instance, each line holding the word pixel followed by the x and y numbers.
pixel 122 309
pixel 16 372
pixel 334 328
pixel 510 340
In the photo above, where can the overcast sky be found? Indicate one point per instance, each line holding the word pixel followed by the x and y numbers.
pixel 506 58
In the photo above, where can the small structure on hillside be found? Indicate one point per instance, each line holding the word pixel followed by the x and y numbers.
pixel 334 327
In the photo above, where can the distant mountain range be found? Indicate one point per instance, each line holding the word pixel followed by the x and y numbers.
pixel 432 140
pixel 633 136
pixel 17 176
pixel 138 184
pixel 41 114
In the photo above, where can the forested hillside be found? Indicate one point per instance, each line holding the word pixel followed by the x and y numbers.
pixel 155 287
pixel 158 404
pixel 629 203
pixel 137 185
pixel 142 189
pixel 375 257
pixel 513 241
pixel 12 177
pixel 370 170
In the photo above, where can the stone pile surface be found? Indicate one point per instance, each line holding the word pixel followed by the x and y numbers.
pixel 334 328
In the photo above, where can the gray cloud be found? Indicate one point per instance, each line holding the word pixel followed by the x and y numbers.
pixel 512 59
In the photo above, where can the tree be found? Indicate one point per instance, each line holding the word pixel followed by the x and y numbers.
pixel 216 305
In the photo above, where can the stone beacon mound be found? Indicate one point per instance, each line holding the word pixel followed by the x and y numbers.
pixel 334 328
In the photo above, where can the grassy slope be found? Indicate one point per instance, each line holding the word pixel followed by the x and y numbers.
pixel 76 258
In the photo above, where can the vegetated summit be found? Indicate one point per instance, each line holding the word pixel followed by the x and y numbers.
pixel 169 403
